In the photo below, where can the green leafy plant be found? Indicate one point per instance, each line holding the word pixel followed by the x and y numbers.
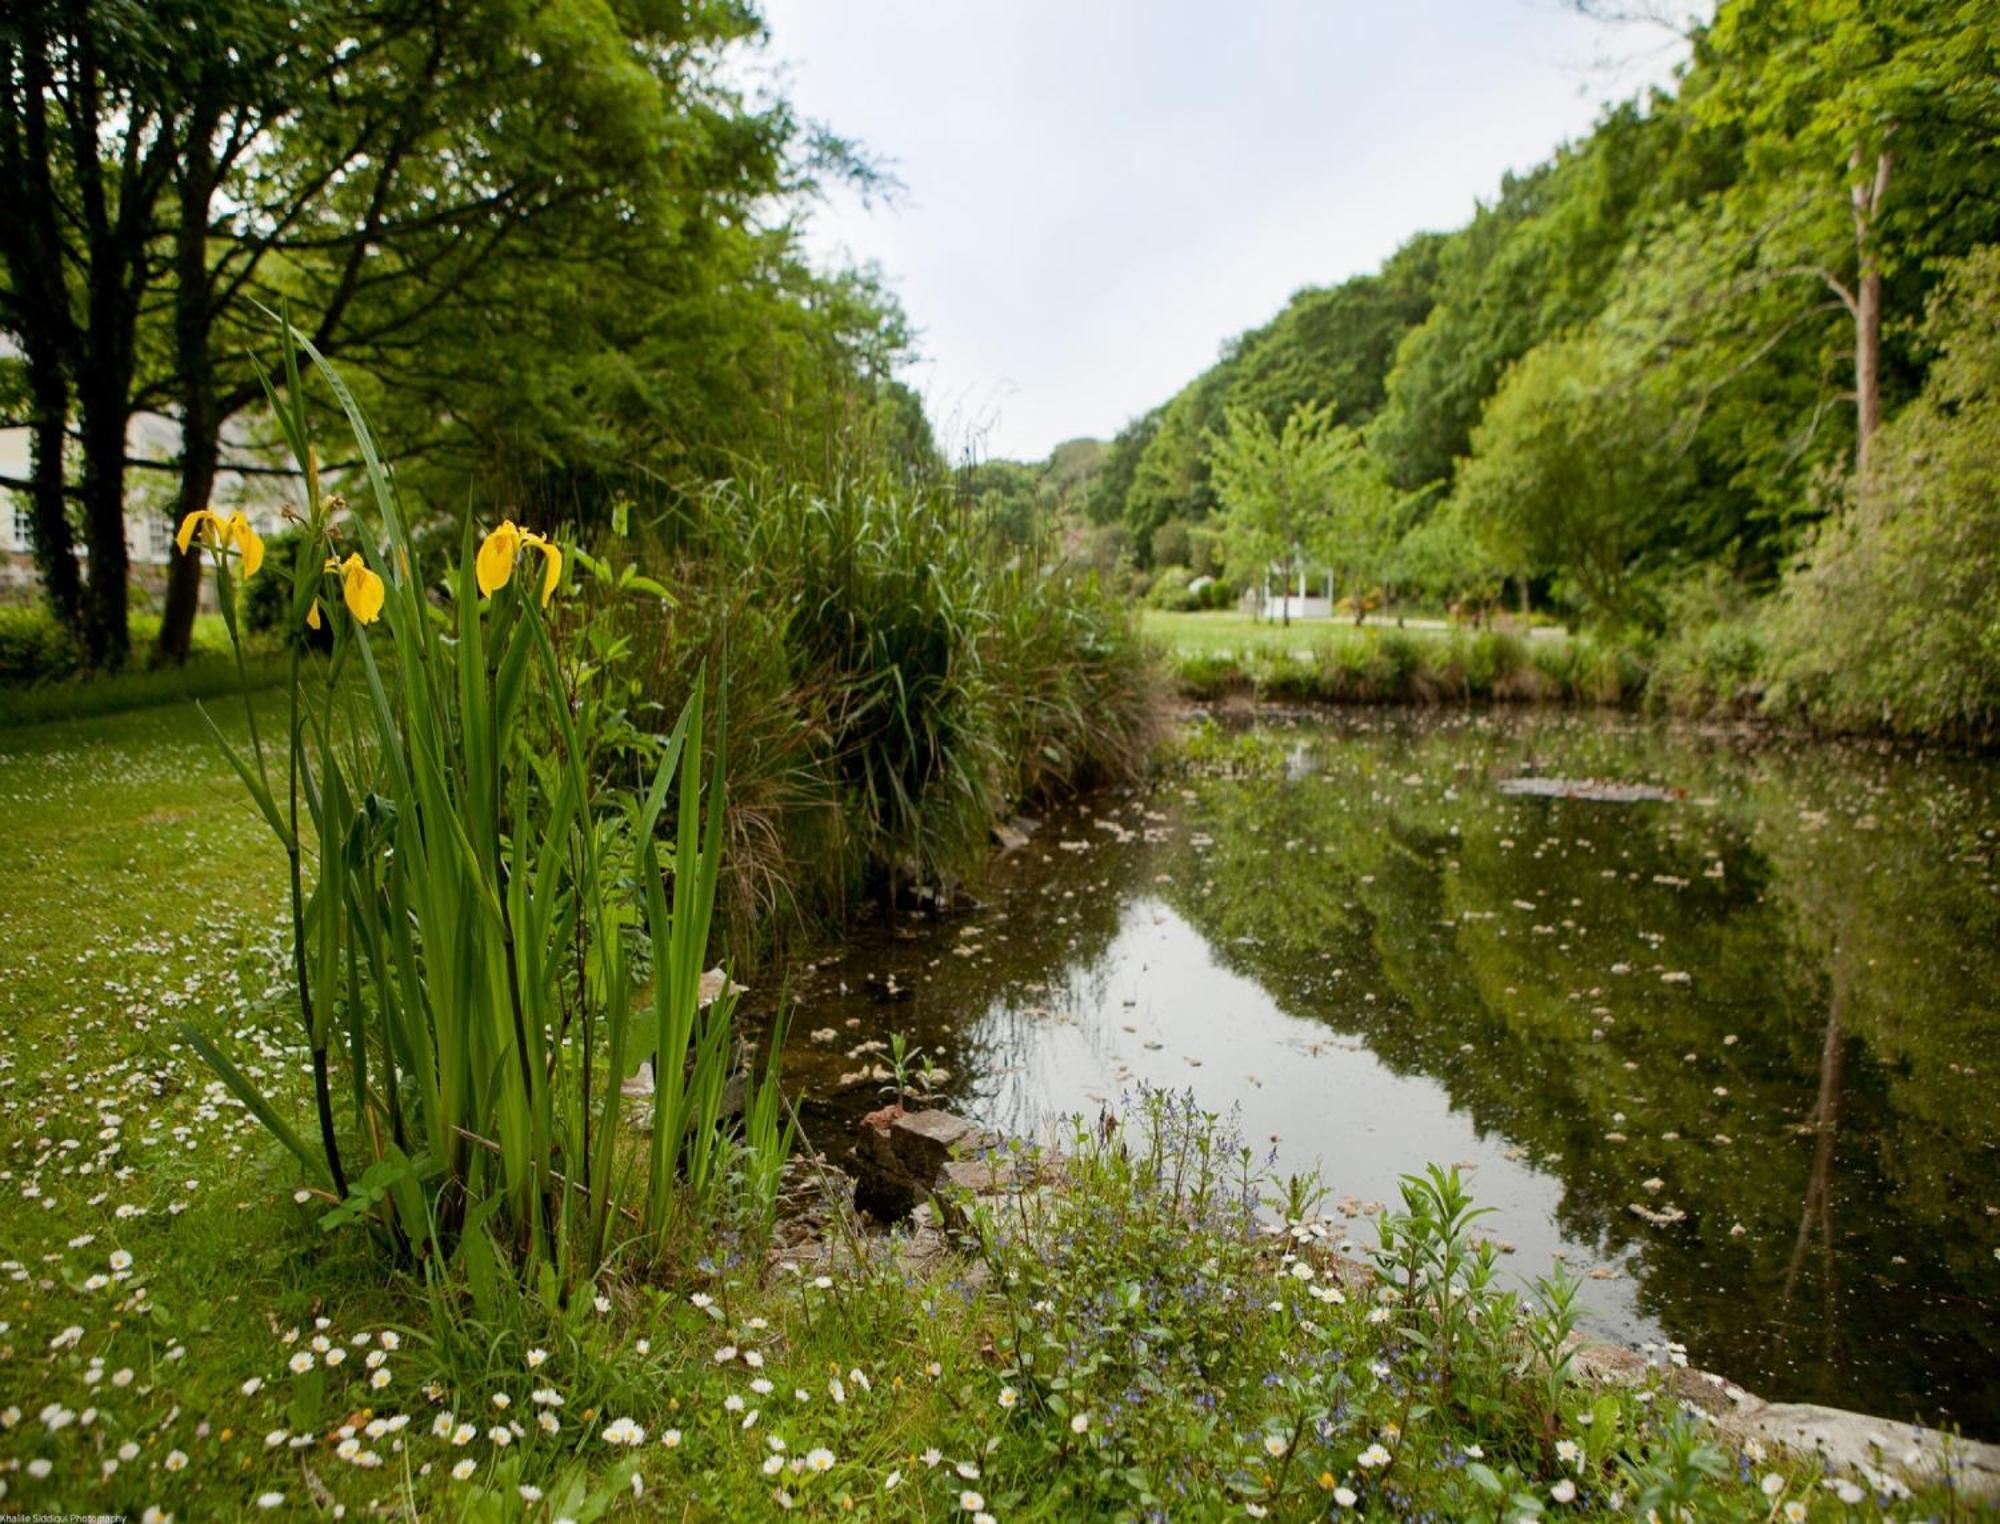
pixel 464 888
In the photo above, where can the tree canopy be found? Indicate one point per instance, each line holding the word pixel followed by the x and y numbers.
pixel 564 238
pixel 1661 354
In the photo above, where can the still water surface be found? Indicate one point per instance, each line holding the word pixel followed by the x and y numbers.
pixel 1734 1055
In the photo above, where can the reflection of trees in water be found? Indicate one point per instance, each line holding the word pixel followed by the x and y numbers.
pixel 1818 1209
pixel 1853 965
pixel 1360 869
pixel 1887 884
pixel 973 1016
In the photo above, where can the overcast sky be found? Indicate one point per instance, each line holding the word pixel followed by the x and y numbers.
pixel 1098 193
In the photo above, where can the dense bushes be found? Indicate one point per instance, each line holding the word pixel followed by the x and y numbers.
pixel 896 681
pixel 1713 659
pixel 1416 667
pixel 1893 620
pixel 1174 588
pixel 43 675
pixel 34 648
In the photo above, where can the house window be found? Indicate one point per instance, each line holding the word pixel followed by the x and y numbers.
pixel 23 526
pixel 160 538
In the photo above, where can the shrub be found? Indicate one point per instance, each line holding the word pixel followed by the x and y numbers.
pixel 1205 676
pixel 792 856
pixel 1175 1331
pixel 1489 660
pixel 34 648
pixel 1069 683
pixel 1169 589
pixel 463 882
pixel 1280 677
pixel 1713 669
pixel 899 683
pixel 1892 622
pixel 882 609
pixel 1394 660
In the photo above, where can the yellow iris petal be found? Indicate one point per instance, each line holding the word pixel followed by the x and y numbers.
pixel 495 562
pixel 551 564
pixel 199 518
pixel 239 533
pixel 361 589
pixel 312 615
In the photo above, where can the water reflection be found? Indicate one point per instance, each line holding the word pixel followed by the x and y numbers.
pixel 1725 1054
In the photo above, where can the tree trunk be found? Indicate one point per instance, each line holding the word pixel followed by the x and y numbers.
pixel 1867 366
pixel 183 601
pixel 201 424
pixel 55 545
pixel 116 229
pixel 104 395
pixel 1867 201
pixel 32 245
pixel 107 634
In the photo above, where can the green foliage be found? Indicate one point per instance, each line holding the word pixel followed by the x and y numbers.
pixel 1111 488
pixel 1538 261
pixel 1656 358
pixel 901 674
pixel 1327 347
pixel 1034 507
pixel 1816 92
pixel 1893 619
pixel 34 648
pixel 1376 665
pixel 882 605
pixel 1162 1345
pixel 1071 690
pixel 1169 589
pixel 1571 463
pixel 43 675
pixel 1712 660
pixel 463 888
pixel 564 238
pixel 1303 490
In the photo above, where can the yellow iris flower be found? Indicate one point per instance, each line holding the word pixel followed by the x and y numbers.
pixel 495 561
pixel 493 567
pixel 551 564
pixel 360 588
pixel 232 533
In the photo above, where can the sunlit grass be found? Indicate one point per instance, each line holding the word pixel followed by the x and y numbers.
pixel 1214 632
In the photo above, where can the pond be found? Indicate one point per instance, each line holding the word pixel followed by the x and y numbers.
pixel 1732 1053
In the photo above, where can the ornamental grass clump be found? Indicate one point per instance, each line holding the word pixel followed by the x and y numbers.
pixel 473 908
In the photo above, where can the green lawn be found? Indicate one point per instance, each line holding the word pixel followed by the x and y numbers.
pixel 38 681
pixel 1226 632
pixel 178 1336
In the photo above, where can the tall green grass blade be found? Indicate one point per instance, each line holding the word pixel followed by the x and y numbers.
pixel 254 1100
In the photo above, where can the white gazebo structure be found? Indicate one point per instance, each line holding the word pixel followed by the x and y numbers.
pixel 1300 605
